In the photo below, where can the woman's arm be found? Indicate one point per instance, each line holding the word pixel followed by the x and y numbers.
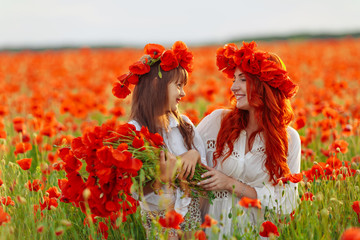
pixel 220 181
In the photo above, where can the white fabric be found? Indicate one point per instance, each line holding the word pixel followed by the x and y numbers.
pixel 249 168
pixel 176 145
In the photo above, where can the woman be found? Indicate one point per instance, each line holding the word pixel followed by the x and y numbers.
pixel 251 146
pixel 160 77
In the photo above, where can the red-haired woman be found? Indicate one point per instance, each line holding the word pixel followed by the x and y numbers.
pixel 252 145
pixel 160 77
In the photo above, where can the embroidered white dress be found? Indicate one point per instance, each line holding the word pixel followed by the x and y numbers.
pixel 176 145
pixel 249 168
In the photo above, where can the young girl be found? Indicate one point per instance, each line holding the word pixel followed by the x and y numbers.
pixel 162 75
pixel 252 145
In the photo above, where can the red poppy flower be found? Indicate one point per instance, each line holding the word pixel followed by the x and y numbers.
pixel 2 134
pixel 48 203
pixel 179 47
pixel 200 235
pixel 339 145
pixel 157 139
pixel 307 196
pixel 267 229
pixel 7 201
pixel 40 229
pixel 172 220
pixel 356 208
pixel 22 148
pixel 138 142
pixel 249 202
pixel 168 61
pixel 25 163
pixel 139 68
pixel 19 124
pixel 103 229
pixel 230 50
pixel 4 217
pixel 59 231
pixel 154 50
pixel 300 122
pixel 221 60
pixel 120 90
pixel 35 186
pixel 334 162
pixel 330 113
pixel 352 233
pixel 208 222
pixel 53 192
pixel 186 61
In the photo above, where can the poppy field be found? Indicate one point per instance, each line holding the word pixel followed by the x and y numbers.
pixel 49 98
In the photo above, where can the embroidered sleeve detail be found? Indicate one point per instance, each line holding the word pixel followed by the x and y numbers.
pixel 221 194
pixel 211 144
pixel 260 149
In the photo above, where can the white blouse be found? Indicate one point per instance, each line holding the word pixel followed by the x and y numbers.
pixel 176 145
pixel 249 168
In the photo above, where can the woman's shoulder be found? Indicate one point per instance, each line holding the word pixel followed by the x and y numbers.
pixel 292 132
pixel 211 123
pixel 294 137
pixel 217 114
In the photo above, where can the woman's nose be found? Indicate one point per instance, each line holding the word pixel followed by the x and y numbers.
pixel 235 86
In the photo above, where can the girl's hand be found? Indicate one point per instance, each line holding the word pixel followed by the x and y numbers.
pixel 216 181
pixel 189 161
pixel 168 166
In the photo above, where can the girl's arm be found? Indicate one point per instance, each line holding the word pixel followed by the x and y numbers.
pixel 168 167
pixel 189 160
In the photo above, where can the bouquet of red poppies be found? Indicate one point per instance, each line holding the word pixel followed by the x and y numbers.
pixel 110 161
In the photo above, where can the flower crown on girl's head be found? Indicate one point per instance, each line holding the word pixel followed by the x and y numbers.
pixel 256 62
pixel 178 55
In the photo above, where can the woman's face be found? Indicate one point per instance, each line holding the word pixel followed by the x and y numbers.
pixel 175 93
pixel 239 89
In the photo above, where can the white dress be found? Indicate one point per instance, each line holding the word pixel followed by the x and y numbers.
pixel 176 145
pixel 249 168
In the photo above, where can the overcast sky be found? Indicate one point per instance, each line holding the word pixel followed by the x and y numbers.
pixel 44 23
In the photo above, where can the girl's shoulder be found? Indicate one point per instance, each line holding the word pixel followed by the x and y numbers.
pixel 135 123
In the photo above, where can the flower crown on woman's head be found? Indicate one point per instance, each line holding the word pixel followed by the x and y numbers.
pixel 256 62
pixel 178 55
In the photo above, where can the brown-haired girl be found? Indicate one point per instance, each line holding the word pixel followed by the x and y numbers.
pixel 252 145
pixel 160 77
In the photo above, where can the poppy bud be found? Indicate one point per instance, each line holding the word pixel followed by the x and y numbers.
pixel 215 229
pixel 86 194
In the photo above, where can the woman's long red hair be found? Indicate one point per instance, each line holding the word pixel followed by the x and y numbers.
pixel 273 113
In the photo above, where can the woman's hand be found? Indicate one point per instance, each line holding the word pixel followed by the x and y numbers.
pixel 188 163
pixel 216 181
pixel 168 166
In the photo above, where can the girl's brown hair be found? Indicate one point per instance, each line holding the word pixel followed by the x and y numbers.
pixel 150 102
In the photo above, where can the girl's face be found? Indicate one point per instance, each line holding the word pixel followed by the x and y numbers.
pixel 175 93
pixel 239 89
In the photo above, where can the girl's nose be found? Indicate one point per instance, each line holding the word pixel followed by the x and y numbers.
pixel 182 93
